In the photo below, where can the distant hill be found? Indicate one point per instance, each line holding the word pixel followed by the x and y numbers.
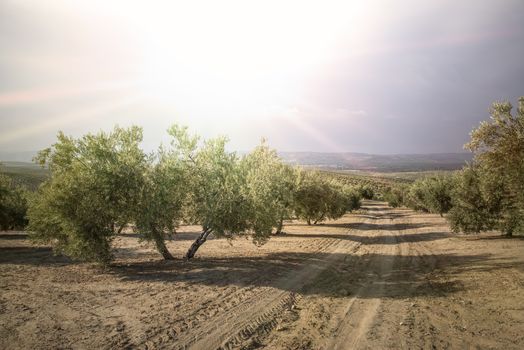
pixel 341 161
pixel 24 156
pixel 380 163
pixel 23 173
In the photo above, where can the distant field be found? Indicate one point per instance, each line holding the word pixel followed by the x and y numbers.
pixel 377 181
pixel 31 175
pixel 378 163
pixel 380 181
pixel 402 176
pixel 345 161
pixel 26 174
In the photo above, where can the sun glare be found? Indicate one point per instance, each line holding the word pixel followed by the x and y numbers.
pixel 215 64
pixel 232 50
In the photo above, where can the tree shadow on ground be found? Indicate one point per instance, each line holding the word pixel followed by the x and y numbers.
pixel 13 236
pixel 395 215
pixel 367 203
pixel 381 239
pixel 31 255
pixel 179 236
pixel 313 273
pixel 370 226
pixel 307 273
pixel 493 237
pixel 389 215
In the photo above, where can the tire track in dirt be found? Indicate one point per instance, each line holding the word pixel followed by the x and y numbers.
pixel 256 304
pixel 233 304
pixel 418 323
pixel 374 261
pixel 348 257
pixel 416 259
pixel 257 314
pixel 371 268
pixel 360 311
pixel 398 280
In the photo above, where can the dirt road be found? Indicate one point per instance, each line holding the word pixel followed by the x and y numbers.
pixel 381 278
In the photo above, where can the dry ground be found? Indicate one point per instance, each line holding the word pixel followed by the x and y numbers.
pixel 381 278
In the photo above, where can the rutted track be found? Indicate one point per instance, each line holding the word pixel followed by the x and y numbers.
pixel 358 317
pixel 242 312
pixel 380 278
pixel 257 314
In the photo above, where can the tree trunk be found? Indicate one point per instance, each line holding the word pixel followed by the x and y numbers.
pixel 161 245
pixel 201 239
pixel 280 226
pixel 113 228
pixel 309 222
pixel 319 219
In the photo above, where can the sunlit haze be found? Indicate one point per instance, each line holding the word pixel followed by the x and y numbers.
pixel 357 76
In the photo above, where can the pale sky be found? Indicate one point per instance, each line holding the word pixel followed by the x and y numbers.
pixel 357 76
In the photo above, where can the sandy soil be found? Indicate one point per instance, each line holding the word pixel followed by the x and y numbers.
pixel 379 279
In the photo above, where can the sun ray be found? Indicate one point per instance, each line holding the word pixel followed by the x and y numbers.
pixel 293 116
pixel 56 122
pixel 37 95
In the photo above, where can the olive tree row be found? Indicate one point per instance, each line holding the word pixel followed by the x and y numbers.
pixel 102 182
pixel 487 194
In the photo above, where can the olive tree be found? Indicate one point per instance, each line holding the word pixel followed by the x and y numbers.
pixel 395 195
pixel 416 196
pixel 311 197
pixel 217 202
pixel 319 199
pixel 366 192
pixel 352 197
pixel 163 198
pixel 431 194
pixel 498 145
pixel 95 185
pixel 269 191
pixel 232 195
pixel 270 186
pixel 13 205
pixel 475 207
pixel 287 179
